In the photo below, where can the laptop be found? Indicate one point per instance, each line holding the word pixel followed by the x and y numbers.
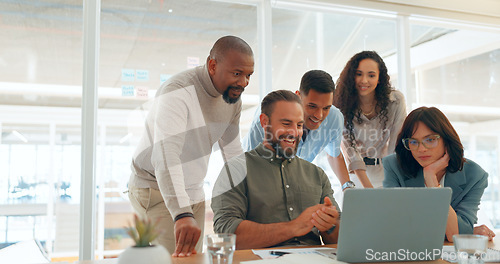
pixel 393 224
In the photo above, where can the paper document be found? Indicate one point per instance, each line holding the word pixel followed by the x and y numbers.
pixel 277 252
pixel 296 258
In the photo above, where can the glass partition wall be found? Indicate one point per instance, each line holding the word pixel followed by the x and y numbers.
pixel 143 43
pixel 40 94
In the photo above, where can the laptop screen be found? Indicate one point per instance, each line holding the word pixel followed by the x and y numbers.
pixel 393 224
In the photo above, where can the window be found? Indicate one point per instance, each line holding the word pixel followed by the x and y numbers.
pixel 143 43
pixel 40 83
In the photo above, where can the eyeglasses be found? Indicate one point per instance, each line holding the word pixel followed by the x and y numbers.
pixel 428 142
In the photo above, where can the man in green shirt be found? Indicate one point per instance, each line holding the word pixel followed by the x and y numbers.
pixel 268 196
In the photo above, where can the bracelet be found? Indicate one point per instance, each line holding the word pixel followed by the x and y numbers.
pixel 183 215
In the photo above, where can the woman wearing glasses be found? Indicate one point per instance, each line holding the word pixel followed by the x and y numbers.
pixel 429 154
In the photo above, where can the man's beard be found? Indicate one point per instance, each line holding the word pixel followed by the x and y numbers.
pixel 280 152
pixel 230 100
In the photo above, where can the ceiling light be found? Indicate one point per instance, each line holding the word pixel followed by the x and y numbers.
pixel 19 136
pixel 125 138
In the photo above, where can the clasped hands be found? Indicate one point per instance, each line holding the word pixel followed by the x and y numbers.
pixel 322 216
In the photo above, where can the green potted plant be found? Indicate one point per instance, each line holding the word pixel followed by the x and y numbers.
pixel 143 232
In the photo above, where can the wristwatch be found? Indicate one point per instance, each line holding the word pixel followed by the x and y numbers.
pixel 348 184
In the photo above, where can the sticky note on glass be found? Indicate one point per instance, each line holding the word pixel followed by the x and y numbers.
pixel 128 75
pixel 193 62
pixel 141 92
pixel 127 90
pixel 142 75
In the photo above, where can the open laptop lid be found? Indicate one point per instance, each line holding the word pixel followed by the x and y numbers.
pixel 393 224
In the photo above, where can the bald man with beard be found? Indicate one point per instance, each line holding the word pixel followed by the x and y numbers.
pixel 191 112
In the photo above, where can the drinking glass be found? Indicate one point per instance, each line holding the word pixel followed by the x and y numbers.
pixel 470 248
pixel 220 248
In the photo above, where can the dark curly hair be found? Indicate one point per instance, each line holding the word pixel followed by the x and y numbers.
pixel 346 95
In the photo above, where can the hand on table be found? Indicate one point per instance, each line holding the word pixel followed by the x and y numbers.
pixel 484 231
pixel 187 233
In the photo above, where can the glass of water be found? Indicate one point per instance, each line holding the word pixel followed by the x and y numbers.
pixel 220 248
pixel 470 248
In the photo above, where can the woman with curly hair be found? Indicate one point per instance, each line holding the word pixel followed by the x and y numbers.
pixel 373 115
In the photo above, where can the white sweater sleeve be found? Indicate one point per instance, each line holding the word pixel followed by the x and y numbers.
pixel 170 126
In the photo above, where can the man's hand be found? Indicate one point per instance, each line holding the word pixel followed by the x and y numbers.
pixel 432 169
pixel 303 224
pixel 484 231
pixel 325 217
pixel 187 234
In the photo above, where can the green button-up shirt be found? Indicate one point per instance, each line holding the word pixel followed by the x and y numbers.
pixel 274 190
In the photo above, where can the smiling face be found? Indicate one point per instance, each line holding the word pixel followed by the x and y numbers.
pixel 283 128
pixel 423 155
pixel 231 74
pixel 366 77
pixel 316 108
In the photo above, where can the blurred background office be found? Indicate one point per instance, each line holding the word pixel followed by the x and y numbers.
pixel 439 53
